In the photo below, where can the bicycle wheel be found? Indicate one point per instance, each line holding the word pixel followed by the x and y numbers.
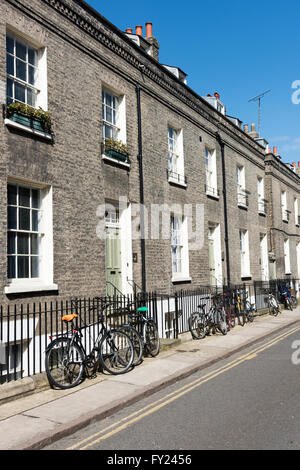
pixel 64 363
pixel 116 352
pixel 197 325
pixel 241 317
pixel 273 308
pixel 294 301
pixel 232 317
pixel 221 321
pixel 137 343
pixel 250 311
pixel 289 303
pixel 151 338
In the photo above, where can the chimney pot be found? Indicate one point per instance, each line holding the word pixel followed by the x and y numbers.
pixel 298 164
pixel 275 150
pixel 139 30
pixel 129 30
pixel 252 127
pixel 246 128
pixel 294 164
pixel 148 30
pixel 217 95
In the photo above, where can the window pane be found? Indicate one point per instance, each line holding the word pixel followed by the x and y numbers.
pixel 34 245
pixel 20 92
pixel 11 243
pixel 11 267
pixel 20 50
pixel 12 217
pixel 21 70
pixel 32 56
pixel 23 244
pixel 24 219
pixel 9 44
pixel 31 97
pixel 23 267
pixel 109 115
pixel 9 88
pixel 35 221
pixel 34 266
pixel 24 197
pixel 12 194
pixel 10 64
pixel 35 198
pixel 32 75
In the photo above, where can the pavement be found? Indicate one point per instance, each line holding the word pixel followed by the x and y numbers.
pixel 39 415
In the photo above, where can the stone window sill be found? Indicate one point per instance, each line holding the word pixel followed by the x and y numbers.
pixel 19 288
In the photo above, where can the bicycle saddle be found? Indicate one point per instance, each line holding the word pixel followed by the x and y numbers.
pixel 69 317
pixel 142 309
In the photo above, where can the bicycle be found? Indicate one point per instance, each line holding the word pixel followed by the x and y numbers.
pixel 244 308
pixel 201 323
pixel 273 305
pixel 290 301
pixel 149 337
pixel 67 362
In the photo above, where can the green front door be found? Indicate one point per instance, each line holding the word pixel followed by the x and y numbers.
pixel 113 260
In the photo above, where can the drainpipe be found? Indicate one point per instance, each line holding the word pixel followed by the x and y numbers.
pixel 222 145
pixel 140 160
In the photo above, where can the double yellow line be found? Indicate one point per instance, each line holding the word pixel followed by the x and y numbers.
pixel 136 416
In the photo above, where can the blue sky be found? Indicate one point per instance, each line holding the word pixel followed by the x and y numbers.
pixel 239 49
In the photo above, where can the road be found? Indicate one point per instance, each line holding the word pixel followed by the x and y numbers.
pixel 248 401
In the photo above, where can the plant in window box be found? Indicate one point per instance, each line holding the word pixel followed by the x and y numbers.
pixel 116 149
pixel 35 118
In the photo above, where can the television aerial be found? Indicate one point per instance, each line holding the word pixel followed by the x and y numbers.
pixel 259 98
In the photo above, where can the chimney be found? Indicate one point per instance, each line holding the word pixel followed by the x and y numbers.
pixel 275 151
pixel 148 30
pixel 246 128
pixel 154 45
pixel 129 30
pixel 139 30
pixel 298 164
pixel 253 132
pixel 294 164
pixel 217 95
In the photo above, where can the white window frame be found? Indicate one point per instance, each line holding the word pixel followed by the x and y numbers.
pixel 241 186
pixel 45 234
pixel 175 156
pixel 284 212
pixel 296 211
pixel 261 195
pixel 287 256
pixel 179 240
pixel 244 253
pixel 211 172
pixel 117 123
pixel 40 85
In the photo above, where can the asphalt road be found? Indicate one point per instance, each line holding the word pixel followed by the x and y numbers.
pixel 249 401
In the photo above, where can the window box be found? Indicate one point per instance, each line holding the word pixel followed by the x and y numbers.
pixel 22 116
pixel 117 155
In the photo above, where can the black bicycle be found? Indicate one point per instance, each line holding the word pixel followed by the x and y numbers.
pixel 143 331
pixel 67 362
pixel 202 322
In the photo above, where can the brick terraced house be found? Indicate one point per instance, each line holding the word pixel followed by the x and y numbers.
pixel 99 141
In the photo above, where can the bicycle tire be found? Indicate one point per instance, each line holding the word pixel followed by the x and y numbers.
pixel 241 317
pixel 61 372
pixel 222 323
pixel 250 311
pixel 289 304
pixel 137 342
pixel 116 352
pixel 151 338
pixel 232 318
pixel 273 308
pixel 294 301
pixel 197 325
